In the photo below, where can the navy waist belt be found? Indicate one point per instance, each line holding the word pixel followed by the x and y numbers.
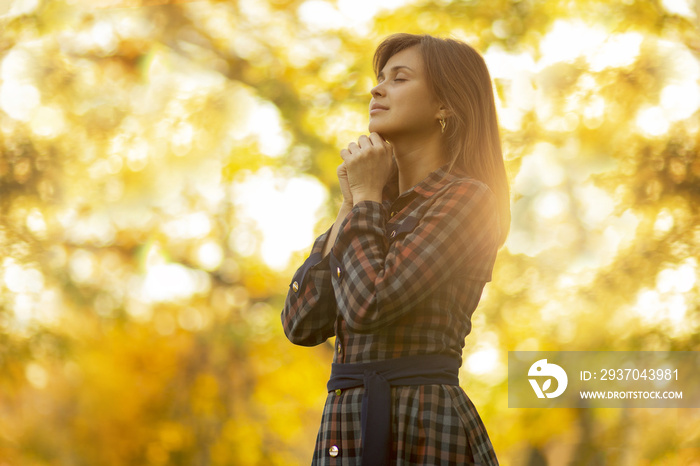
pixel 378 378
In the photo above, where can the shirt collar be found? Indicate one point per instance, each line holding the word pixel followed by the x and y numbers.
pixel 430 185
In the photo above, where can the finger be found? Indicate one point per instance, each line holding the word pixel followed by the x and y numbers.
pixel 353 148
pixel 379 141
pixel 364 142
pixel 344 154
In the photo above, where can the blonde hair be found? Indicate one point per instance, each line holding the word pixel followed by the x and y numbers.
pixel 460 80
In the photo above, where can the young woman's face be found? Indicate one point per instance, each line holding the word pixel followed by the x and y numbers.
pixel 402 102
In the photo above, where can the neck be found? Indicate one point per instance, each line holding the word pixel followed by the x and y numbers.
pixel 417 159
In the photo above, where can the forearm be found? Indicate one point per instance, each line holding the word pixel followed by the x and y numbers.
pixel 385 276
pixel 345 209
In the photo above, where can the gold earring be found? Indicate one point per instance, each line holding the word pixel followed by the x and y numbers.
pixel 442 123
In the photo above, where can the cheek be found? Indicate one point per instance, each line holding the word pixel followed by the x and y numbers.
pixel 419 110
pixel 418 102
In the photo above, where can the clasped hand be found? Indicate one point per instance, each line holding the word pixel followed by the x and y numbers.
pixel 365 169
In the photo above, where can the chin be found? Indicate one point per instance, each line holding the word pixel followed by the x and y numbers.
pixel 376 127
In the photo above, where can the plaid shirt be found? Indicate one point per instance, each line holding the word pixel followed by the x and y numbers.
pixel 403 278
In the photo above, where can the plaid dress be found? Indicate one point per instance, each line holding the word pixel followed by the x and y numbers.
pixel 403 278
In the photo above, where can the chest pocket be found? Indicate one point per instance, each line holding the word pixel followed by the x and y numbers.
pixel 405 226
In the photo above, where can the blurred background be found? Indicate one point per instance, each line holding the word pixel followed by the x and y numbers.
pixel 165 168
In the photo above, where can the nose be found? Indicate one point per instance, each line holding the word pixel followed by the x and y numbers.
pixel 377 90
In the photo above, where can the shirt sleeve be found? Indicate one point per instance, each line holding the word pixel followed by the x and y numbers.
pixel 309 312
pixel 378 276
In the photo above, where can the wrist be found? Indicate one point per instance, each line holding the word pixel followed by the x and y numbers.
pixel 373 196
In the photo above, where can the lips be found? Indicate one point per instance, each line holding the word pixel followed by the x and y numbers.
pixel 376 108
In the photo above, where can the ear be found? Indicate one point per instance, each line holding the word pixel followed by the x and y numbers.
pixel 443 112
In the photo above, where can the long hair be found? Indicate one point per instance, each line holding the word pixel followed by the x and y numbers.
pixel 458 77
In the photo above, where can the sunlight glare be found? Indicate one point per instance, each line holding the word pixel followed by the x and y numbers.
pixel 677 307
pixel 210 255
pixel 19 100
pixel 82 266
pixel 596 205
pixel 18 8
pixel 618 50
pixel 363 11
pixel 260 119
pixel 284 209
pixel 181 138
pixel 648 303
pixel 551 204
pixel 652 121
pixel 593 112
pixel 243 240
pixel 482 361
pixel 166 282
pixel 194 225
pixel 266 123
pixel 664 221
pixel 678 280
pixel 48 121
pixel 321 15
pixel 679 7
pixel 22 279
pixel 354 15
pixel 514 73
pixel 137 154
pixel 104 37
pixel 539 169
pixel 670 307
pixel 506 65
pixel 680 101
pixel 568 40
pixel 36 223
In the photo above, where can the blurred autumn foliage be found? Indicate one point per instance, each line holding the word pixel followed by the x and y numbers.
pixel 165 168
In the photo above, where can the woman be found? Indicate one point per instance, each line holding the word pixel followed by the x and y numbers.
pixel 399 274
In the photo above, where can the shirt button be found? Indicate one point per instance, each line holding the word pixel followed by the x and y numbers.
pixel 338 271
pixel 338 392
pixel 393 233
pixel 334 450
pixel 339 348
pixel 295 286
pixel 393 213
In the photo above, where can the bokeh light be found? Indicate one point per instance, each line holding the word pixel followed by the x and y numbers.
pixel 166 166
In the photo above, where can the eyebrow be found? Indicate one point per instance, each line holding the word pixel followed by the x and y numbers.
pixel 394 68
